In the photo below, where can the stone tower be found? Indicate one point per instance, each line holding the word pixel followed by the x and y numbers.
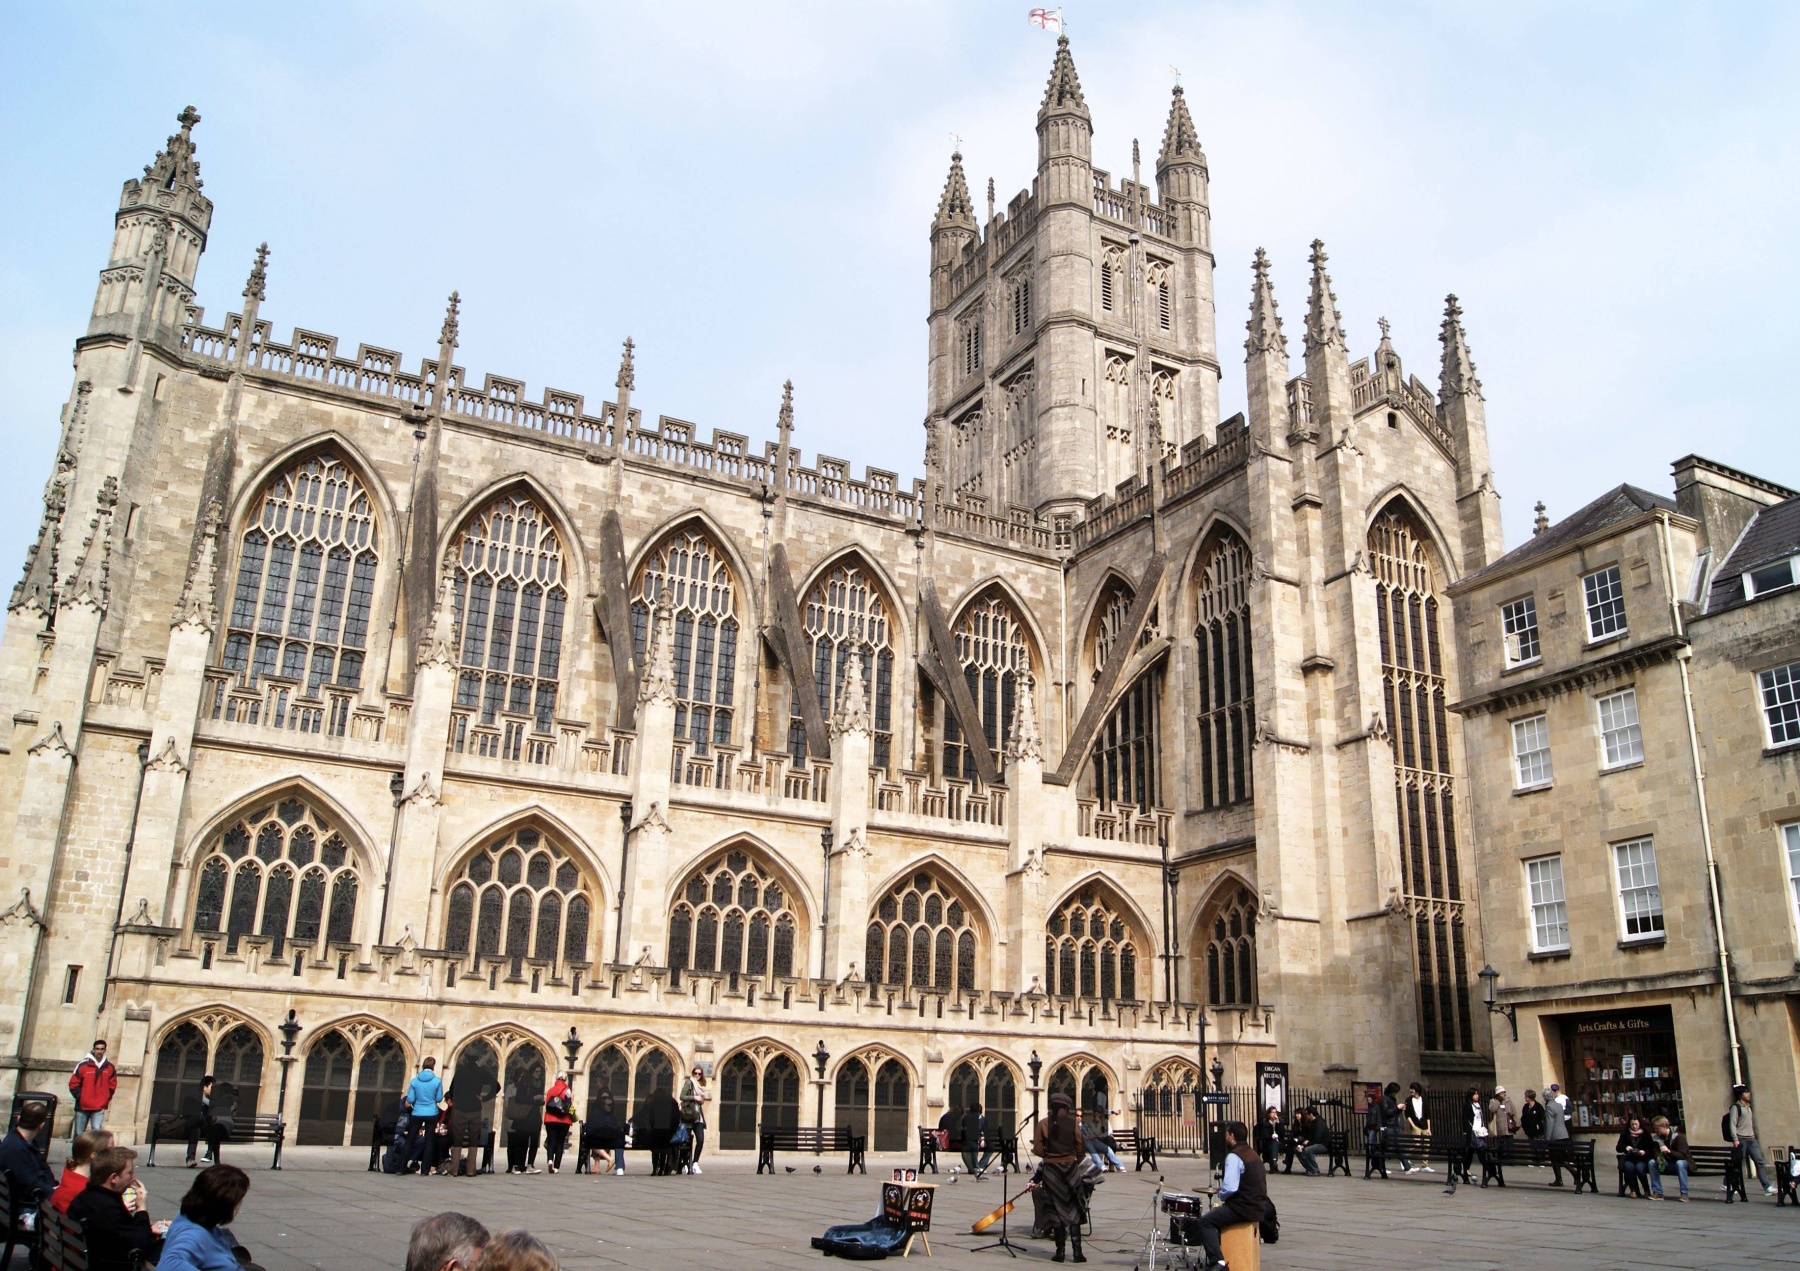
pixel 1072 335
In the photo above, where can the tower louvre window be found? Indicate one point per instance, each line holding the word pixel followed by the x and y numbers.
pixel 1165 310
pixel 1106 284
pixel 971 348
pixel 1021 306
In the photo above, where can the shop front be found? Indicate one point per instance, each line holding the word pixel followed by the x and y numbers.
pixel 1620 1064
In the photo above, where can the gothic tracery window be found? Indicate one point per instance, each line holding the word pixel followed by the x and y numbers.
pixel 1227 691
pixel 510 601
pixel 1415 689
pixel 283 872
pixel 1126 765
pixel 733 917
pixel 921 934
pixel 1088 951
pixel 845 611
pixel 691 573
pixel 996 662
pixel 1117 458
pixel 1230 934
pixel 520 897
pixel 305 578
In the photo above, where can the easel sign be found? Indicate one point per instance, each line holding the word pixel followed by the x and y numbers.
pixel 908 1206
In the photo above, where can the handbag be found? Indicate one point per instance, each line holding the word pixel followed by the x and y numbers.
pixel 681 1136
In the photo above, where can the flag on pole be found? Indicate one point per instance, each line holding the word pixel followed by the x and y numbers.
pixel 1048 19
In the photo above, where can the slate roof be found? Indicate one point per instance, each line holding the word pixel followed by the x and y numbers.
pixel 1773 534
pixel 1615 507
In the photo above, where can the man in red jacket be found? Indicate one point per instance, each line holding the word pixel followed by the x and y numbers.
pixel 92 1083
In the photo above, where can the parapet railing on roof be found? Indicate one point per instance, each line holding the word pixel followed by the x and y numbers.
pixel 1196 467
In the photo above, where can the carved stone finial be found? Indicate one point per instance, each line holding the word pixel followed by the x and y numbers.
pixel 658 684
pixel 198 605
pixel 168 760
pixel 956 210
pixel 1324 327
pixel 1063 93
pixel 627 380
pixel 256 287
pixel 1541 522
pixel 23 910
pixel 784 421
pixel 1457 377
pixel 175 164
pixel 89 583
pixel 1027 741
pixel 1181 143
pixel 852 713
pixel 1266 335
pixel 448 333
pixel 439 646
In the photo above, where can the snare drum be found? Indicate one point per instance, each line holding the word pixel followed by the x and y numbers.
pixel 1182 1205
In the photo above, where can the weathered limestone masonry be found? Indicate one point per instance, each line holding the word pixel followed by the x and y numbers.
pixel 525 734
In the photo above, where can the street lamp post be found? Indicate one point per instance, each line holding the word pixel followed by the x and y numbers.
pixel 820 1058
pixel 1034 1066
pixel 1490 979
pixel 572 1044
pixel 624 861
pixel 825 839
pixel 290 1029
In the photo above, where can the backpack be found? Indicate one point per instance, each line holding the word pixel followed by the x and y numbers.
pixel 1725 1127
pixel 1271 1225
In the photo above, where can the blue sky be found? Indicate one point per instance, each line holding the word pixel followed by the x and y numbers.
pixel 746 190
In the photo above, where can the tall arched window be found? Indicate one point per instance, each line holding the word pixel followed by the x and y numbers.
pixel 520 897
pixel 630 1069
pixel 760 1071
pixel 1227 689
pixel 1415 689
pixel 921 934
pixel 733 917
pixel 1126 768
pixel 1229 930
pixel 283 872
pixel 1089 951
pixel 887 1080
pixel 689 571
pixel 510 601
pixel 1117 458
pixel 1083 1082
pixel 987 1079
pixel 305 579
pixel 845 611
pixel 996 662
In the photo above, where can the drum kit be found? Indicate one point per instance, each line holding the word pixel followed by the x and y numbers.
pixel 1173 1249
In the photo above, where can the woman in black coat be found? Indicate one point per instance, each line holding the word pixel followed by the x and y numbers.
pixel 654 1126
pixel 1636 1150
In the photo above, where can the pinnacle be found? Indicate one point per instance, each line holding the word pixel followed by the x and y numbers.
pixel 175 163
pixel 1063 93
pixel 448 333
pixel 955 208
pixel 1323 324
pixel 1265 320
pixel 785 420
pixel 256 287
pixel 627 380
pixel 1181 144
pixel 1457 376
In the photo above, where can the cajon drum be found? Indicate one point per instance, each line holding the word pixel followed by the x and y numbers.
pixel 1241 1243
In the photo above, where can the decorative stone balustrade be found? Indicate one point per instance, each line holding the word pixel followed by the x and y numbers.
pixel 909 800
pixel 1117 823
pixel 276 705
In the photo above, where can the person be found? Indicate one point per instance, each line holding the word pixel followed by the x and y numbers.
pixel 973 1136
pixel 199 1240
pixel 1057 1143
pixel 116 1212
pixel 470 1089
pixel 516 1251
pixel 1418 1123
pixel 1097 1140
pixel 424 1100
pixel 1556 1131
pixel 1531 1116
pixel 559 1115
pixel 75 1169
pixel 203 1123
pixel 1269 1136
pixel 1393 1120
pixel 949 1126
pixel 524 1116
pixel 608 1136
pixel 655 1125
pixel 1671 1156
pixel 1635 1150
pixel 445 1242
pixel 1475 1130
pixel 1743 1137
pixel 694 1098
pixel 1306 1142
pixel 1375 1135
pixel 92 1084
pixel 1243 1194
pixel 20 1157
pixel 1502 1123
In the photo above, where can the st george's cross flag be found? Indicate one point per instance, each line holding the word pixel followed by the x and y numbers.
pixel 1048 19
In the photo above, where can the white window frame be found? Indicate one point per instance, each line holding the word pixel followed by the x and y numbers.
pixel 1778 692
pixel 1632 728
pixel 1544 911
pixel 1788 843
pixel 1514 633
pixel 1645 883
pixel 1614 582
pixel 1532 769
pixel 1752 591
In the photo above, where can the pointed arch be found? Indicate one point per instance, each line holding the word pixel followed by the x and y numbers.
pixel 1218 521
pixel 849 604
pixel 1226 962
pixel 209 1039
pixel 363 1031
pixel 1122 899
pixel 524 892
pixel 758 1084
pixel 505 1039
pixel 530 814
pixel 887 585
pixel 1039 641
pixel 927 932
pixel 1112 581
pixel 1168 1092
pixel 1097 946
pixel 353 457
pixel 1399 499
pixel 1220 592
pixel 1088 1080
pixel 300 785
pixel 630 1066
pixel 700 519
pixel 998 653
pixel 733 914
pixel 555 510
pixel 216 1020
pixel 759 850
pixel 970 894
pixel 987 1077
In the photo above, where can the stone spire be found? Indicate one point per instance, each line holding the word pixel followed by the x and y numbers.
pixel 1027 741
pixel 175 164
pixel 198 606
pixel 439 645
pixel 1457 377
pixel 1324 328
pixel 852 714
pixel 1181 144
pixel 627 380
pixel 447 339
pixel 658 684
pixel 956 210
pixel 256 286
pixel 1062 95
pixel 89 584
pixel 1266 335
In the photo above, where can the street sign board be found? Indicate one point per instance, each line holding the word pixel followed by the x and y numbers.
pixel 1216 1096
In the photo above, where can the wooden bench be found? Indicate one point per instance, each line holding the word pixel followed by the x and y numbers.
pixel 1786 1191
pixel 1143 1146
pixel 260 1127
pixel 10 1216
pixel 1574 1155
pixel 1337 1152
pixel 1723 1160
pixel 810 1138
pixel 62 1243
pixel 929 1149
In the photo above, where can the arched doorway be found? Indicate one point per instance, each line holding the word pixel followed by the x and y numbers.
pixel 180 1063
pixel 336 1069
pixel 989 1079
pixel 325 1091
pixel 380 1079
pixel 876 1105
pixel 759 1087
pixel 238 1063
pixel 522 1097
pixel 631 1070
pixel 475 1080
pixel 1170 1113
pixel 1084 1082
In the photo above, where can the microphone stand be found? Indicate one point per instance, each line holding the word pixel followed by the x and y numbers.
pixel 1003 1242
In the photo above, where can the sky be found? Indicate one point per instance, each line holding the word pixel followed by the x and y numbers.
pixel 746 190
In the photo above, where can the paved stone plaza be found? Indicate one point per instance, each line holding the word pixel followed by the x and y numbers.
pixel 323 1211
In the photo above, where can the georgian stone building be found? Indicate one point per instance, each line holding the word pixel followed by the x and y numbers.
pixel 513 729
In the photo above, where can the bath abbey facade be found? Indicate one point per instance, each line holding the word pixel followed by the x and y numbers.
pixel 425 715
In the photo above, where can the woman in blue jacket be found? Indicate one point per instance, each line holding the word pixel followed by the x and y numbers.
pixel 199 1240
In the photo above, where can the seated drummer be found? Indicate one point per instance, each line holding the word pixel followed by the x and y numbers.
pixel 1242 1195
